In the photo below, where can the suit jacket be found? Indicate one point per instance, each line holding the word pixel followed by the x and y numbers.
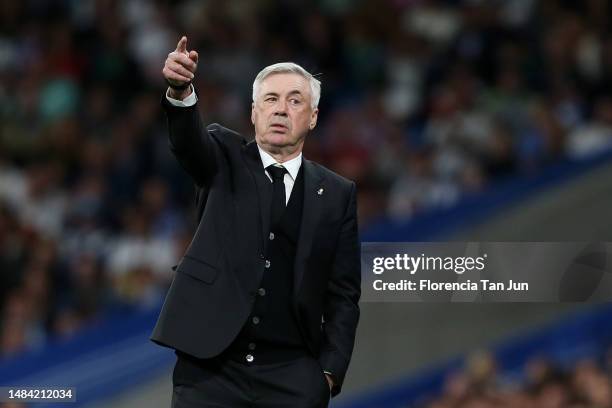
pixel 216 281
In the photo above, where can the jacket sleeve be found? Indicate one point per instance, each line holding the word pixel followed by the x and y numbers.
pixel 341 313
pixel 190 142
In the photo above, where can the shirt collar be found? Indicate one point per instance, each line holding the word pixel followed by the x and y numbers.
pixel 292 166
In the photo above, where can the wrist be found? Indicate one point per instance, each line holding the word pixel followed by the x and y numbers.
pixel 179 94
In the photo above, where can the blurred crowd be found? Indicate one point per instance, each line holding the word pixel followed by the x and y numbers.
pixel 423 102
pixel 585 384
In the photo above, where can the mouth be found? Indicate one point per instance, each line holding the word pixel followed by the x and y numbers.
pixel 277 127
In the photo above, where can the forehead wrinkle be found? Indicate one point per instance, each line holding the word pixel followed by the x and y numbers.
pixel 292 80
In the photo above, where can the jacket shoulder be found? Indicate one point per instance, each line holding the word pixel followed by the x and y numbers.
pixel 225 135
pixel 334 177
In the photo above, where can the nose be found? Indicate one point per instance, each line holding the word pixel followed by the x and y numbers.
pixel 280 109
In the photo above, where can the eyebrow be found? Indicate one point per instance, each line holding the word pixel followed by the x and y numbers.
pixel 294 92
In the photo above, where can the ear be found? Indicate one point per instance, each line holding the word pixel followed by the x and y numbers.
pixel 313 118
pixel 253 113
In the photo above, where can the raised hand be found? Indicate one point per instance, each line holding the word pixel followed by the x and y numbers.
pixel 179 69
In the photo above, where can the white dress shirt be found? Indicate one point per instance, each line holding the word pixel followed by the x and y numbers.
pixel 188 101
pixel 292 166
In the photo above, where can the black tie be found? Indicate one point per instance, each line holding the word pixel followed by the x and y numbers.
pixel 278 193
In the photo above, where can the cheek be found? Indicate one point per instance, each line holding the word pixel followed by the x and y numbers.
pixel 258 120
pixel 301 121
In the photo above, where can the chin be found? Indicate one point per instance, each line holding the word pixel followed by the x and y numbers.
pixel 278 139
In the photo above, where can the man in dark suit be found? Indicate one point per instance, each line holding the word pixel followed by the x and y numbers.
pixel 263 309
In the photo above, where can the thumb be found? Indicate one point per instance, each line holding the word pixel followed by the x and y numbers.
pixel 193 55
pixel 182 44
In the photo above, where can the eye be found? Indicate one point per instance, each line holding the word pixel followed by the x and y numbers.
pixel 270 99
pixel 295 101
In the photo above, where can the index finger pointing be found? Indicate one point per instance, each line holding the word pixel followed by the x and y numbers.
pixel 182 44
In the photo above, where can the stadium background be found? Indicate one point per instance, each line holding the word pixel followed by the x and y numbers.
pixel 470 120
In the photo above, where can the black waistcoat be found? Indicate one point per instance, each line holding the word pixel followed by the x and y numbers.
pixel 271 332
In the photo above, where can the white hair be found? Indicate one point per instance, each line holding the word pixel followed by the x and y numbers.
pixel 289 67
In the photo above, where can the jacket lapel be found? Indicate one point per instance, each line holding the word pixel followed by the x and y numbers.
pixel 311 213
pixel 263 187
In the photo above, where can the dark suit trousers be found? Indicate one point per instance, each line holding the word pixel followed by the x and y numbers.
pixel 222 382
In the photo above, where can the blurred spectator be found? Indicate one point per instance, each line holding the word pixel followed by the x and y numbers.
pixel 593 136
pixel 583 385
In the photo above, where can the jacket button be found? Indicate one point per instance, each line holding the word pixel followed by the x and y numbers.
pixel 261 256
pixel 255 320
pixel 271 236
pixel 267 264
pixel 251 346
pixel 261 292
pixel 249 358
